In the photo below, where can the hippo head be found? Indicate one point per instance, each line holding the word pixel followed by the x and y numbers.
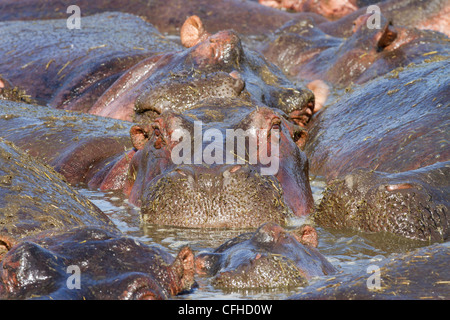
pixel 271 257
pixel 223 164
pixel 92 263
pixel 217 66
pixel 368 44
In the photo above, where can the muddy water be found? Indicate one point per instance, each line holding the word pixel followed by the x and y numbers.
pixel 346 251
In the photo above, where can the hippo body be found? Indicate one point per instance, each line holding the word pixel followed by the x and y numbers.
pixel 416 275
pixel 131 80
pixel 394 123
pixel 96 151
pixel 420 14
pixel 34 198
pixel 245 17
pixel 270 257
pixel 412 204
pixel 305 52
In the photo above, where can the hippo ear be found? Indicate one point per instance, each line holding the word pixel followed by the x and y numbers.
pixel 388 36
pixel 192 32
pixel 307 235
pixel 139 137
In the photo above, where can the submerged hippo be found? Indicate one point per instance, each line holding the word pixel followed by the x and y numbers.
pixel 34 198
pixel 420 14
pixel 330 9
pixel 196 194
pixel 60 66
pixel 303 51
pixel 270 257
pixel 93 263
pixel 421 274
pixel 412 204
pixel 122 81
pixel 397 122
pixel 246 17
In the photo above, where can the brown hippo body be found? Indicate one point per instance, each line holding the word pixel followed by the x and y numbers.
pixel 47 228
pixel 270 257
pixel 412 204
pixel 397 122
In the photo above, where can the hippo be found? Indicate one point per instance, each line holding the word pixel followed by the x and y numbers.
pixel 70 68
pixel 47 226
pixel 108 264
pixel 270 257
pixel 420 274
pixel 123 84
pixel 330 9
pixel 138 159
pixel 420 14
pixel 412 204
pixel 212 66
pixel 394 123
pixel 305 52
pixel 246 17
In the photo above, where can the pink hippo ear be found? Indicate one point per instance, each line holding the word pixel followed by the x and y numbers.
pixel 139 137
pixel 307 235
pixel 192 32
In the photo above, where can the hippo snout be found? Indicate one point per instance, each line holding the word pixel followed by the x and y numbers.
pixel 231 195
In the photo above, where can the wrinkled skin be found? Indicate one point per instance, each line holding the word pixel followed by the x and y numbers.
pixel 393 123
pixel 76 145
pixel 412 204
pixel 270 257
pixel 245 17
pixel 304 51
pixel 122 82
pixel 111 266
pixel 34 198
pixel 70 69
pixel 419 274
pixel 37 207
pixel 330 9
pixel 93 150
